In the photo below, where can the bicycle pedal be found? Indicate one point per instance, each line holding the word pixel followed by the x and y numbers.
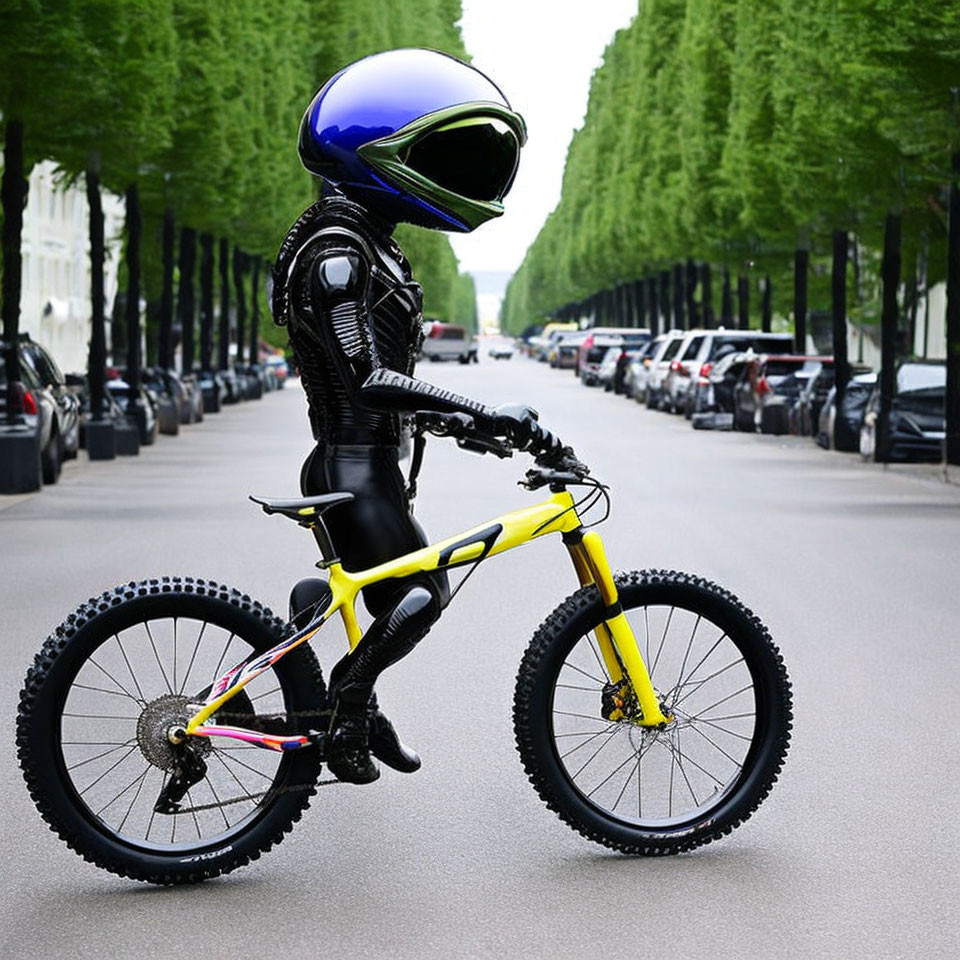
pixel 319 739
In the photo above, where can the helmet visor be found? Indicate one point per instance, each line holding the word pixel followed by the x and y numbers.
pixel 476 157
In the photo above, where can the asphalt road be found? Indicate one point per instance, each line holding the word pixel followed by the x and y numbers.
pixel 854 569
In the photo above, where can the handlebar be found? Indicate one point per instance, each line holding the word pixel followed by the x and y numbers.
pixel 561 468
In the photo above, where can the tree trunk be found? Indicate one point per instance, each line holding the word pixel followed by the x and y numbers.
pixel 678 297
pixel 890 272
pixel 766 306
pixel 801 264
pixel 726 301
pixel 255 312
pixel 13 195
pixel 665 299
pixel 223 338
pixel 186 306
pixel 838 309
pixel 239 265
pixel 693 316
pixel 953 320
pixel 743 303
pixel 640 303
pixel 165 353
pixel 654 308
pixel 706 297
pixel 206 302
pixel 96 374
pixel 134 227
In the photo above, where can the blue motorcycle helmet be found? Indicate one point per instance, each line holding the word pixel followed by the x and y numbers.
pixel 415 136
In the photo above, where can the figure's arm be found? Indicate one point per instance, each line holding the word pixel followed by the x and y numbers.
pixel 339 295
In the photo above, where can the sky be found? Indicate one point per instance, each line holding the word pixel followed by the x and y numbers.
pixel 541 53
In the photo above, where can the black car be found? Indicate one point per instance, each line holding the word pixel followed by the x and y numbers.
pixel 853 408
pixel 917 419
pixel 46 405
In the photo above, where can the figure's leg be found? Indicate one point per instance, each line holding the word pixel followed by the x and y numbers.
pixel 357 726
pixel 375 527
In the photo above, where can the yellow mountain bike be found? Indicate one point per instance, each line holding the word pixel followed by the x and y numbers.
pixel 172 730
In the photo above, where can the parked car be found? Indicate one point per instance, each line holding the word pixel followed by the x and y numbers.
pixel 38 413
pixel 563 353
pixel 598 341
pixel 917 418
pixel 703 348
pixel 608 367
pixel 278 364
pixel 447 341
pixel 634 380
pixel 713 395
pixel 660 367
pixel 67 421
pixel 854 406
pixel 768 389
pixel 148 424
pixel 501 350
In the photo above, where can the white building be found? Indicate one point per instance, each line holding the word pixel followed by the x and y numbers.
pixel 55 304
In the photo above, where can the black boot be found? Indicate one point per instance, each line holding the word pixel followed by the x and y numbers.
pixel 348 745
pixel 385 745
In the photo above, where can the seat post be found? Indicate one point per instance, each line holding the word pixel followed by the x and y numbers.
pixel 322 536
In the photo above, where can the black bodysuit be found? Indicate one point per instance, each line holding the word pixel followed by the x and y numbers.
pixel 346 291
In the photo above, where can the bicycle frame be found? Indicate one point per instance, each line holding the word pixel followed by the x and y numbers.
pixel 618 646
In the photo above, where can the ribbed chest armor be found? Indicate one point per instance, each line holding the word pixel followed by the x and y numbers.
pixel 393 313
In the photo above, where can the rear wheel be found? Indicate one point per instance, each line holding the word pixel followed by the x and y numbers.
pixel 638 789
pixel 50 461
pixel 96 707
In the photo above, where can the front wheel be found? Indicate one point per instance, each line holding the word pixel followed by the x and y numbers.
pixel 100 698
pixel 638 789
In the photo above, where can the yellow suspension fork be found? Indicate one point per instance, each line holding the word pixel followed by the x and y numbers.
pixel 618 645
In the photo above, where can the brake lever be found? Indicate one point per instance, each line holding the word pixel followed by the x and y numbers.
pixel 478 444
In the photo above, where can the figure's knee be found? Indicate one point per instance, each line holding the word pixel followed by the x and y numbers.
pixel 417 609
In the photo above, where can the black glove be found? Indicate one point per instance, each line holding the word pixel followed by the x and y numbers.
pixel 518 423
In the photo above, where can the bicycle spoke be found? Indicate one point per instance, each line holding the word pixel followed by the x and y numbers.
pixel 610 735
pixel 662 640
pixel 193 656
pixel 700 683
pixel 175 654
pixel 153 813
pixel 596 656
pixel 590 739
pixel 112 693
pixel 223 812
pixel 716 745
pixel 133 676
pixel 689 646
pixel 697 716
pixel 703 660
pixel 135 780
pixel 99 756
pixel 732 733
pixel 108 770
pixel 216 669
pixel 683 772
pixel 193 813
pixel 688 759
pixel 260 696
pixel 236 778
pixel 590 676
pixel 610 776
pixel 570 686
pixel 259 773
pixel 95 716
pixel 113 679
pixel 156 654
pixel 133 801
pixel 626 783
pixel 584 716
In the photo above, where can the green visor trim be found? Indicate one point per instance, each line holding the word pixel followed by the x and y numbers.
pixel 388 157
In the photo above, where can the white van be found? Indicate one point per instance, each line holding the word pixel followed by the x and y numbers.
pixel 447 341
